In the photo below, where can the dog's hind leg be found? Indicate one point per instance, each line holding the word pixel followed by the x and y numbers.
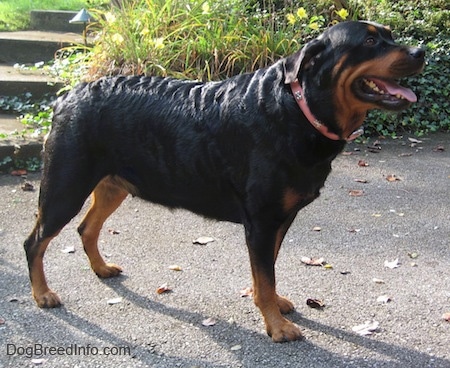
pixel 35 248
pixel 106 198
pixel 59 202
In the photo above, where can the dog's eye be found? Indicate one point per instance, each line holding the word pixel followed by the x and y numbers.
pixel 370 41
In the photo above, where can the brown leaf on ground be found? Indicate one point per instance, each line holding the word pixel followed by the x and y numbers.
pixel 439 148
pixel 19 172
pixel 392 178
pixel 163 289
pixel 246 292
pixel 315 303
pixel 362 163
pixel 312 261
pixel 175 267
pixel 356 192
pixel 27 187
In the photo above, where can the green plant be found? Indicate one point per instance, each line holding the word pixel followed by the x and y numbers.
pixel 197 39
pixel 35 115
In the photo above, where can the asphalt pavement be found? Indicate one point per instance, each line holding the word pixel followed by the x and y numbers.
pixel 382 226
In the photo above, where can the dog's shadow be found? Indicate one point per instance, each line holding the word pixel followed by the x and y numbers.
pixel 258 344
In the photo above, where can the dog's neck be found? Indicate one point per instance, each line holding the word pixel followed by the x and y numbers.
pixel 299 96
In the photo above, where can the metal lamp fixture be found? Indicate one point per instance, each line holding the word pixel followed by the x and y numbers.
pixel 82 17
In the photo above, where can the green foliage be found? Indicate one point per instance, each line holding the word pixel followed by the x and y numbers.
pixel 421 19
pixel 197 39
pixel 35 116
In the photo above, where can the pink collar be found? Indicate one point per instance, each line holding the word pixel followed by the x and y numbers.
pixel 299 96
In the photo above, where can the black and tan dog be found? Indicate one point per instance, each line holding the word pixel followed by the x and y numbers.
pixel 253 149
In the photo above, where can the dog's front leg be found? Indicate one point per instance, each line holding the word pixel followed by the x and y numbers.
pixel 263 241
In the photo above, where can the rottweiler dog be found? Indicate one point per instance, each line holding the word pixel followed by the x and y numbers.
pixel 253 149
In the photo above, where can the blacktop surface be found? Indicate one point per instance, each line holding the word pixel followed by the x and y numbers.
pixel 388 203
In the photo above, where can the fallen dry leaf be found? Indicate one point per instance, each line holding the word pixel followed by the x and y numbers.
pixel 356 192
pixel 439 148
pixel 163 289
pixel 203 240
pixel 378 281
pixel 413 255
pixel 383 299
pixel 312 261
pixel 362 163
pixel 114 301
pixel 248 291
pixel 315 303
pixel 209 322
pixel 18 172
pixel 366 328
pixel 391 264
pixel 374 148
pixel 446 316
pixel 414 140
pixel 69 249
pixel 328 266
pixel 392 178
pixel 363 181
pixel 175 268
pixel 317 228
pixel 27 187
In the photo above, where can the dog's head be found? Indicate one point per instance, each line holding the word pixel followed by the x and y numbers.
pixel 351 68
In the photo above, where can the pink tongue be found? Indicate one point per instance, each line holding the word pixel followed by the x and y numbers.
pixel 395 89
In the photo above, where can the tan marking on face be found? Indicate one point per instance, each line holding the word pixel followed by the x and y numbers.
pixel 371 28
pixel 350 111
pixel 338 66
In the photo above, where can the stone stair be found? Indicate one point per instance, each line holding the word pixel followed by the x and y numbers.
pixel 50 31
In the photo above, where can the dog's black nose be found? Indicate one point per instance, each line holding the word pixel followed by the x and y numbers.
pixel 417 52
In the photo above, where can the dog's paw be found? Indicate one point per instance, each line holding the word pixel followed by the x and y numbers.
pixel 284 331
pixel 48 299
pixel 107 270
pixel 285 305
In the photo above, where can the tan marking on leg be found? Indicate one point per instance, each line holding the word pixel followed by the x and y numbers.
pixel 106 198
pixel 45 298
pixel 266 299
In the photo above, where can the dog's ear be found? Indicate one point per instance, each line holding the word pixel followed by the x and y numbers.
pixel 294 63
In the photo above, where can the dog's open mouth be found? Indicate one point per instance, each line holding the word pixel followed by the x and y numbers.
pixel 385 93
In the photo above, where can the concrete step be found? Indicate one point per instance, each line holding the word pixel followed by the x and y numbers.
pixel 9 124
pixel 14 82
pixel 34 46
pixel 54 20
